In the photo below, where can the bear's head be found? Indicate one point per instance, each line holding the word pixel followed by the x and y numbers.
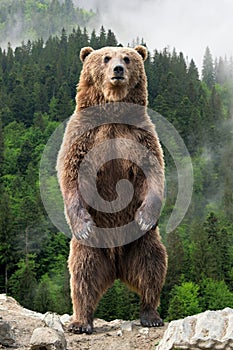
pixel 112 74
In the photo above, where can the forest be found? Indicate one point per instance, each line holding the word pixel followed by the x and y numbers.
pixel 38 86
pixel 31 19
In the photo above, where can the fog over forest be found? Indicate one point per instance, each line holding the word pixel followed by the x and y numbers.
pixel 187 25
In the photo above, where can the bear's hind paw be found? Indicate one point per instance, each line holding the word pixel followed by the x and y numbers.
pixel 150 323
pixel 151 318
pixel 78 328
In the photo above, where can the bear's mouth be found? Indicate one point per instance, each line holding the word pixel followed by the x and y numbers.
pixel 117 78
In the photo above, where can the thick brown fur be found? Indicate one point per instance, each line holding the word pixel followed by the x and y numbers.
pixel 141 264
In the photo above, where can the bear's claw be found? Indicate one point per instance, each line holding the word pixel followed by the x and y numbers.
pixel 157 323
pixel 77 328
pixel 86 231
pixel 145 223
pixel 150 318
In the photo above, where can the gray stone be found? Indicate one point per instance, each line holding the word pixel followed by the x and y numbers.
pixel 7 337
pixel 3 297
pixel 127 326
pixel 52 320
pixel 119 333
pixel 65 319
pixel 208 330
pixel 33 314
pixel 144 331
pixel 47 338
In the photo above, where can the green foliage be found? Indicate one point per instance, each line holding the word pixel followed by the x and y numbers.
pixel 210 250
pixel 118 302
pixel 184 301
pixel 33 19
pixel 22 283
pixel 6 239
pixel 43 301
pixel 215 295
pixel 189 298
pixel 52 292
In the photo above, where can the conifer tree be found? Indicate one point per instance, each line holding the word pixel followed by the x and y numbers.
pixel 7 251
pixel 94 40
pixel 102 37
pixel 208 75
pixel 1 149
pixel 111 39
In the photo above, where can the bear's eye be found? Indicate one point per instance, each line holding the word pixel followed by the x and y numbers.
pixel 107 59
pixel 127 60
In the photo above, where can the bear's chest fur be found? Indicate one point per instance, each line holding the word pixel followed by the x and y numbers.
pixel 112 156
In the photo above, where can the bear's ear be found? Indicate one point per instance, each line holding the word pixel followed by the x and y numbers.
pixel 142 50
pixel 85 51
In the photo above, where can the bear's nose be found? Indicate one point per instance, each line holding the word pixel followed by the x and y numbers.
pixel 118 70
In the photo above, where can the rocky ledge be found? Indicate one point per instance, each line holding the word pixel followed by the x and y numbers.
pixel 28 330
pixel 208 330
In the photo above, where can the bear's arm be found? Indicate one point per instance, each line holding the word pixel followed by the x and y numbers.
pixel 73 150
pixel 152 192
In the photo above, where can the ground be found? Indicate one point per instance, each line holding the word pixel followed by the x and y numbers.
pixel 106 336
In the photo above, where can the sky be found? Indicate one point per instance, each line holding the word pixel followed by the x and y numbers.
pixel 188 25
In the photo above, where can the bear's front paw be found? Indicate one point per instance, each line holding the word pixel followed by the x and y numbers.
pixel 84 226
pixel 78 328
pixel 85 231
pixel 147 214
pixel 145 218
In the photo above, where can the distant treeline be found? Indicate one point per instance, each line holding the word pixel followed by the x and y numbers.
pixel 38 86
pixel 32 19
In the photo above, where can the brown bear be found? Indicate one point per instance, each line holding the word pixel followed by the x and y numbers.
pixel 114 79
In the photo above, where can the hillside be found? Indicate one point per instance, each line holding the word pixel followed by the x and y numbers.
pixel 34 19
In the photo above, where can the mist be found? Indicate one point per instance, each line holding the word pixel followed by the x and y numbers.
pixel 189 26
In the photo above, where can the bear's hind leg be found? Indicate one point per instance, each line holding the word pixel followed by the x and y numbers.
pixel 144 271
pixel 91 274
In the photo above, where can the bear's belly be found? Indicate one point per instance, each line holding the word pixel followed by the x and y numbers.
pixel 108 177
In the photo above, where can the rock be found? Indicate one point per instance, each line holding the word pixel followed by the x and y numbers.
pixel 65 319
pixel 30 313
pixel 115 323
pixel 7 337
pixel 3 297
pixel 208 330
pixel 52 320
pixel 127 326
pixel 144 331
pixel 47 339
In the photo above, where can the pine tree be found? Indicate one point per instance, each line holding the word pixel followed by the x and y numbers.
pixel 192 73
pixel 176 259
pixel 208 75
pixel 102 37
pixel 7 249
pixel 22 283
pixel 216 239
pixel 193 83
pixel 221 71
pixel 94 43
pixel 111 39
pixel 1 149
